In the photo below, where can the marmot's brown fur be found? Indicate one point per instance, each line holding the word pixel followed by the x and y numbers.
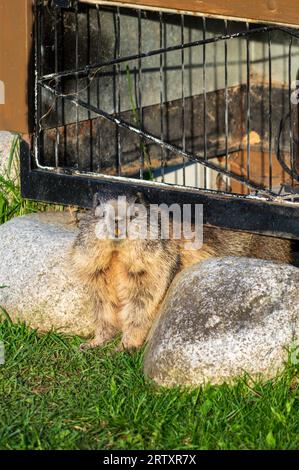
pixel 128 279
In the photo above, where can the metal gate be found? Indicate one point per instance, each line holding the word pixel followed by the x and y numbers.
pixel 184 108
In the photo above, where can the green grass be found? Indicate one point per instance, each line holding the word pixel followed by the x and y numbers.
pixel 54 397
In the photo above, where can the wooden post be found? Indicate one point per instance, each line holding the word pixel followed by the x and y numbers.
pixel 285 12
pixel 15 49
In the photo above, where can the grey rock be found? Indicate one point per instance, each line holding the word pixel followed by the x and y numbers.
pixel 41 288
pixel 222 318
pixel 6 139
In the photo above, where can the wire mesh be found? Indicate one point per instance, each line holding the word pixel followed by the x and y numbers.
pixel 124 92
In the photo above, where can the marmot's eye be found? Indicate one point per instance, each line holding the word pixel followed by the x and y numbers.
pixel 100 212
pixel 133 216
pixel 135 212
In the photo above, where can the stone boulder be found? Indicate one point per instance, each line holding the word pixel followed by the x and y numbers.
pixel 6 141
pixel 222 318
pixel 40 288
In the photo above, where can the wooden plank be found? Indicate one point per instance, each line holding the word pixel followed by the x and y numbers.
pixel 284 12
pixel 15 49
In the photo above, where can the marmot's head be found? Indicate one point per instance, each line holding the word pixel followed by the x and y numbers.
pixel 120 217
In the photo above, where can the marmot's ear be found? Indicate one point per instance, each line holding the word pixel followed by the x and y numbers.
pixel 95 201
pixel 140 198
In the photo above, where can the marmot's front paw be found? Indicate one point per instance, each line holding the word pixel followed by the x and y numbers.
pixel 102 336
pixel 132 340
pixel 122 348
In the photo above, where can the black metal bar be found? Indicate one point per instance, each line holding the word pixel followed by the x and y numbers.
pixel 89 92
pixel 270 110
pixel 118 109
pixel 99 38
pixel 292 156
pixel 128 58
pixel 77 76
pixel 226 101
pixel 142 143
pixel 99 43
pixel 56 47
pixel 162 99
pixel 196 158
pixel 248 110
pixel 38 37
pixel 294 175
pixel 183 95
pixel 204 78
pixel 226 211
pixel 62 104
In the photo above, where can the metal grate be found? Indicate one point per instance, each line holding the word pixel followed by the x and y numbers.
pixel 171 100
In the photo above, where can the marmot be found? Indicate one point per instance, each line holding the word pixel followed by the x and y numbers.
pixel 128 278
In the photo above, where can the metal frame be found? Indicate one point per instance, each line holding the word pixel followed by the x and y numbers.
pixel 266 213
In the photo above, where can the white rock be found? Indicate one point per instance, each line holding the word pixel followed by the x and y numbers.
pixel 222 318
pixel 41 289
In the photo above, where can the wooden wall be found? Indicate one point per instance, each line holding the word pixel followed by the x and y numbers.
pixel 272 11
pixel 15 49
